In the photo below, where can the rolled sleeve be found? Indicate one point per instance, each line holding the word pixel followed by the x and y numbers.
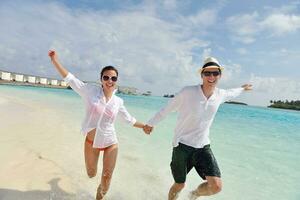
pixel 125 116
pixel 77 85
pixel 69 77
pixel 172 105
pixel 232 93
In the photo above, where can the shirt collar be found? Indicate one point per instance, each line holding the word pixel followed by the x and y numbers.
pixel 211 98
pixel 101 95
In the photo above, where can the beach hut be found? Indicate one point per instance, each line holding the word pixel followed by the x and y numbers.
pixel 31 79
pixel 43 81
pixel 54 82
pixel 63 83
pixel 19 77
pixel 6 76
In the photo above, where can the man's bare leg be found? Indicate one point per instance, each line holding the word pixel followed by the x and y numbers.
pixel 211 187
pixel 174 190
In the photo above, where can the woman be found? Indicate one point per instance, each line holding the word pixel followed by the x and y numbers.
pixel 102 107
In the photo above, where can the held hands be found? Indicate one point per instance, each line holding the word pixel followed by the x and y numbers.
pixel 147 129
pixel 247 87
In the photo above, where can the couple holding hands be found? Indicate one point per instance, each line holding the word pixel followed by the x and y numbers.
pixel 196 107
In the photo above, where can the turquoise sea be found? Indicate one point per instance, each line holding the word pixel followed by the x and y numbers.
pixel 257 149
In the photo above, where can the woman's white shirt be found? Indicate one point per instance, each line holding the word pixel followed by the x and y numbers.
pixel 195 114
pixel 99 113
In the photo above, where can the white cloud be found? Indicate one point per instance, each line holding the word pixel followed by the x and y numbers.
pixel 151 53
pixel 273 88
pixel 203 19
pixel 279 24
pixel 242 51
pixel 247 27
pixel 170 4
pixel 206 53
pixel 244 27
pixel 230 74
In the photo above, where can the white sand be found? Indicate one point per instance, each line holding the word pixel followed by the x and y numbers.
pixel 41 155
pixel 26 170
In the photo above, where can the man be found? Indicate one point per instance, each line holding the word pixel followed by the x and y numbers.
pixel 196 106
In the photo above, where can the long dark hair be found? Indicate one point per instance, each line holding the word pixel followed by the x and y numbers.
pixel 108 68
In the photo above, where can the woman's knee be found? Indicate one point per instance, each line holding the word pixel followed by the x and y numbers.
pixel 91 172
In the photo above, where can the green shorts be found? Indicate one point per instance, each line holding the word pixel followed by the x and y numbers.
pixel 185 157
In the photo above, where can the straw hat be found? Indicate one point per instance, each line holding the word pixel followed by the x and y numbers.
pixel 211 63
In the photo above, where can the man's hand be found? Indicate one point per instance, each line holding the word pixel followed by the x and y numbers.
pixel 247 87
pixel 147 129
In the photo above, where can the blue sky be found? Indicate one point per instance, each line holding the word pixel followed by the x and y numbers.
pixel 159 45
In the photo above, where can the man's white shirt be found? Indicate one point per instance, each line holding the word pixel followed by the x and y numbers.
pixel 195 114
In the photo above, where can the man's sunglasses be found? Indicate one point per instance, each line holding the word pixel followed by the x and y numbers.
pixel 113 78
pixel 208 73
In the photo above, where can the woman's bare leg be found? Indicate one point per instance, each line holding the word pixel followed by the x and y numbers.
pixel 109 162
pixel 91 155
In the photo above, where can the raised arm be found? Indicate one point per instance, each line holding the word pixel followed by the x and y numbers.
pixel 76 84
pixel 54 59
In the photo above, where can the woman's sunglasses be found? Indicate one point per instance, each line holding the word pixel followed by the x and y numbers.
pixel 113 78
pixel 208 73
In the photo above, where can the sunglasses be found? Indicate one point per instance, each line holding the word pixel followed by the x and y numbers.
pixel 113 78
pixel 208 73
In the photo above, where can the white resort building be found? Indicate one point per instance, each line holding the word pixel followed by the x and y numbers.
pixel 6 76
pixel 11 78
pixel 43 81
pixel 19 77
pixel 25 79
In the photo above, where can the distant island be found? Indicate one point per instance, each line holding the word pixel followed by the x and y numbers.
pixel 292 105
pixel 148 93
pixel 235 102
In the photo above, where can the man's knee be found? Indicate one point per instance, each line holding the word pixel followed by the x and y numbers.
pixel 216 187
pixel 179 186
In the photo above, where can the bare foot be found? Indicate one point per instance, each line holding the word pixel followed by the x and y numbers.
pixel 100 194
pixel 193 195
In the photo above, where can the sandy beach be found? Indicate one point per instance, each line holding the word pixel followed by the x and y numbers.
pixel 41 153
pixel 26 172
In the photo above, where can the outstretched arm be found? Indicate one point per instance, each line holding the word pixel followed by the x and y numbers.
pixel 172 105
pixel 232 93
pixel 53 56
pixel 76 84
pixel 138 124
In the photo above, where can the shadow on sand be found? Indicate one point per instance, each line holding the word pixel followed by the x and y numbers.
pixel 55 193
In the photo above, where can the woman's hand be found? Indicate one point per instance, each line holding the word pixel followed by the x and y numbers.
pixel 147 129
pixel 52 54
